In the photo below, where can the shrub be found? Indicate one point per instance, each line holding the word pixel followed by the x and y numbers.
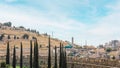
pixel 9 24
pixel 3 64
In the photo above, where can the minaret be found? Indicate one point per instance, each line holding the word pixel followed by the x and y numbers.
pixel 72 40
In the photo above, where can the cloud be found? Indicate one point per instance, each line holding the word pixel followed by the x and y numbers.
pixel 10 1
pixel 108 25
pixel 55 16
pixel 18 17
pixel 107 28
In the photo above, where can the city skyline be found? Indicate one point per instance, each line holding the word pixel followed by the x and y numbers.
pixel 96 21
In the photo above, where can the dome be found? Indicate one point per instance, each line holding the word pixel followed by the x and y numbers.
pixel 68 46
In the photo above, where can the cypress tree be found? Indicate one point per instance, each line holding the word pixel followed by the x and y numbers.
pixel 55 57
pixel 60 56
pixel 37 54
pixel 49 53
pixel 65 59
pixel 14 58
pixel 8 54
pixel 31 54
pixel 21 56
pixel 34 55
pixel 36 60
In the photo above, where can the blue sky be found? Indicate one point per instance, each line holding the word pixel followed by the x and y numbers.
pixel 96 21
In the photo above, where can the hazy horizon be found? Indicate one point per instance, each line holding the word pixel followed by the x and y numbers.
pixel 96 21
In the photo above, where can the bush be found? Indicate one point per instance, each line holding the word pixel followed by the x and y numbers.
pixel 9 24
pixel 3 64
pixel 21 27
pixel 108 50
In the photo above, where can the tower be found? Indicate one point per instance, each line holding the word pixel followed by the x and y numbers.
pixel 72 40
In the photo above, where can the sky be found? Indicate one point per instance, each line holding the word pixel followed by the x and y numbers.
pixel 94 21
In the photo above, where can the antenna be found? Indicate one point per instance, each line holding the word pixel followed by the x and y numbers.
pixel 52 34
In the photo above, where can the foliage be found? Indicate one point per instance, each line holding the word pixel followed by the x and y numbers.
pixel 14 58
pixel 34 31
pixel 9 24
pixel 62 63
pixel 55 58
pixel 49 54
pixel 31 54
pixel 28 29
pixel 108 50
pixel 21 56
pixel 21 27
pixel 60 60
pixel 63 60
pixel 8 54
pixel 3 64
pixel 36 54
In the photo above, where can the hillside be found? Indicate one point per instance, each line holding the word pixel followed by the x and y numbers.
pixel 16 35
pixel 20 32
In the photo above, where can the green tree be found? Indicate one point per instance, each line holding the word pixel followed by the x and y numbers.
pixel 55 57
pixel 21 27
pixel 8 54
pixel 60 57
pixel 3 65
pixel 36 54
pixel 49 53
pixel 31 54
pixel 9 24
pixel 65 59
pixel 14 58
pixel 108 50
pixel 21 56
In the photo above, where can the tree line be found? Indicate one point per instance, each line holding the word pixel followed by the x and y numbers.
pixel 34 56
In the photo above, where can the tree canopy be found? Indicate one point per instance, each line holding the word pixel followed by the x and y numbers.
pixel 9 24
